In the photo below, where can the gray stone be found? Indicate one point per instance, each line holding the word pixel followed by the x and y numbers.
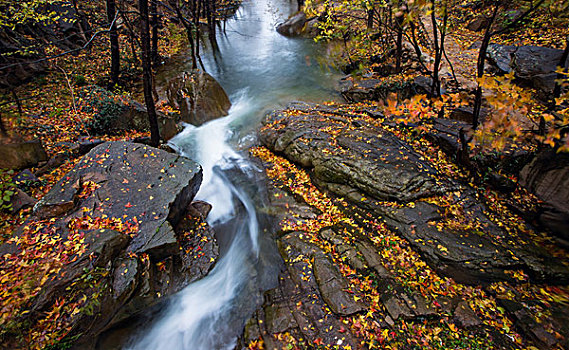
pixel 465 316
pixel 367 165
pixel 198 97
pixel 294 25
pixel 333 288
pixel 21 200
pixel 534 65
pixel 547 176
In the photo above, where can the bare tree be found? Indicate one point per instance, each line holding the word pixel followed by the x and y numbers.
pixel 147 72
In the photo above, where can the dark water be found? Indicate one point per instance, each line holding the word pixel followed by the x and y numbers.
pixel 260 70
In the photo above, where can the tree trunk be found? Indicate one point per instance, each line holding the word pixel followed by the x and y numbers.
pixel 114 37
pixel 147 72
pixel 154 25
pixel 399 43
pixel 435 88
pixel 480 69
pixel 3 131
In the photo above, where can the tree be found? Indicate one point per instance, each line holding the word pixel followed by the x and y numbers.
pixel 112 16
pixel 147 72
pixel 488 34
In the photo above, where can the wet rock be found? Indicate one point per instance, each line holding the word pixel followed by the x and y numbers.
pixel 148 190
pixel 446 134
pixel 279 319
pixel 293 26
pixel 525 319
pixel 86 146
pixel 373 260
pixel 346 250
pixel 333 288
pixel 368 166
pixel 124 278
pixel 20 155
pixel 547 176
pixel 198 97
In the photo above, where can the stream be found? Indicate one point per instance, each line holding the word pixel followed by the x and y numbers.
pixel 260 70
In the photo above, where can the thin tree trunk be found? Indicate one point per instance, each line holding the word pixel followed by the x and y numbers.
pixel 3 131
pixel 399 43
pixel 435 88
pixel 154 25
pixel 147 72
pixel 480 68
pixel 114 38
pixel 18 102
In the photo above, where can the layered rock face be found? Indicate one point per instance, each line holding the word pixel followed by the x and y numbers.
pixel 127 209
pixel 376 171
pixel 380 198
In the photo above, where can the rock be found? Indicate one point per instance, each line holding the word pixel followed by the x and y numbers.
pixel 533 65
pixel 368 166
pixel 500 57
pixel 332 288
pixel 145 193
pixel 20 155
pixel 372 259
pixel 114 113
pixel 524 318
pixel 25 179
pixel 380 90
pixel 445 133
pixel 21 200
pixel 464 316
pixel 52 164
pixel 279 319
pixel 311 29
pixel 297 305
pixel 198 97
pixel 294 25
pixel 547 176
pixel 478 24
pixel 537 65
pixel 86 146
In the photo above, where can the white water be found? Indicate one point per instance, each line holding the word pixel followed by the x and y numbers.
pixel 260 70
pixel 196 317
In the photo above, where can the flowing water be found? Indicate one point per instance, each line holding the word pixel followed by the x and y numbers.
pixel 260 70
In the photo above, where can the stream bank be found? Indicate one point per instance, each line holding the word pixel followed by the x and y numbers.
pixel 386 243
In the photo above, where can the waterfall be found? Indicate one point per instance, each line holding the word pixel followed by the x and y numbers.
pixel 198 317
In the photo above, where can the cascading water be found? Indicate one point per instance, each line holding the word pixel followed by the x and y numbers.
pixel 201 315
pixel 260 70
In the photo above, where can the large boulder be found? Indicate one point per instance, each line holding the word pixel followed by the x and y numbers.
pixel 357 158
pixel 380 90
pixel 534 65
pixel 114 114
pixel 547 176
pixel 198 97
pixel 294 25
pixel 20 155
pixel 123 220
